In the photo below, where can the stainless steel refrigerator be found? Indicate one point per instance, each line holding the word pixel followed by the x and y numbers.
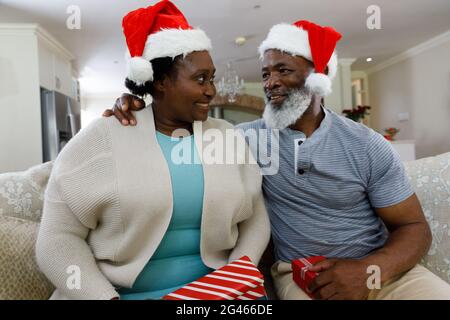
pixel 61 120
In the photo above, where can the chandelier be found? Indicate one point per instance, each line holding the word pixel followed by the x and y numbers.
pixel 230 85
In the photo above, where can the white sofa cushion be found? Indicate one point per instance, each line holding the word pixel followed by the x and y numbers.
pixel 430 178
pixel 22 193
pixel 20 277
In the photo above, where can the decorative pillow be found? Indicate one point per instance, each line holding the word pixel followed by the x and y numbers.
pixel 430 178
pixel 22 193
pixel 20 278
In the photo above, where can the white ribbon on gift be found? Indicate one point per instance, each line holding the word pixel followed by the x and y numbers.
pixel 306 267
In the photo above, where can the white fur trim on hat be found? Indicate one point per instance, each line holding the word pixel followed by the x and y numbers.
pixel 319 83
pixel 165 43
pixel 332 65
pixel 173 42
pixel 294 40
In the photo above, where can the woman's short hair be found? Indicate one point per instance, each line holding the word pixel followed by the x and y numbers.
pixel 162 67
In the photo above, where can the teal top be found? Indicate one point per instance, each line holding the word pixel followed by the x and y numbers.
pixel 177 260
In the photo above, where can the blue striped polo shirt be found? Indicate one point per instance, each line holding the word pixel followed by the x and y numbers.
pixel 321 200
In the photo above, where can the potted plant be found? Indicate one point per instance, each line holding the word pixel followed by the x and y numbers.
pixel 390 133
pixel 356 113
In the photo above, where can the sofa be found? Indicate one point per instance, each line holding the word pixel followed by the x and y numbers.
pixel 22 193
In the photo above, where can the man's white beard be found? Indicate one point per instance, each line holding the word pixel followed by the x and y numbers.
pixel 290 110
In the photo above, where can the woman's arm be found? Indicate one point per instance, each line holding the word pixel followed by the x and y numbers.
pixel 74 199
pixel 63 254
pixel 254 233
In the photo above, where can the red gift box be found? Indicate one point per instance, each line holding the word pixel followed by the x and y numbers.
pixel 302 276
pixel 239 279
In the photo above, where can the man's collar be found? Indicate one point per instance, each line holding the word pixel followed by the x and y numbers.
pixel 318 133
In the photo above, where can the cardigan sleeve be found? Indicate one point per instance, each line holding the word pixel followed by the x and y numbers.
pixel 254 233
pixel 62 252
pixel 66 259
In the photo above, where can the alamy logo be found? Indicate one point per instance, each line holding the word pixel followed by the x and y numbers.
pixel 74 20
pixel 73 282
pixel 374 280
pixel 216 146
pixel 373 22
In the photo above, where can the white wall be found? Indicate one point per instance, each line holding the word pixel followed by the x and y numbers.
pixel 341 97
pixel 29 58
pixel 20 120
pixel 418 83
pixel 93 107
pixel 365 94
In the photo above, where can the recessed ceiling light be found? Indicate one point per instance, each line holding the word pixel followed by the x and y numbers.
pixel 240 40
pixel 369 59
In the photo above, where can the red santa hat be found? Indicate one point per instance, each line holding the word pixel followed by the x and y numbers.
pixel 311 41
pixel 158 31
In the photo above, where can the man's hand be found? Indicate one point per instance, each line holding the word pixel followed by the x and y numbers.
pixel 340 279
pixel 123 107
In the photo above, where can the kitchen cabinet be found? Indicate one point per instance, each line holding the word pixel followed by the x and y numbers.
pixel 30 59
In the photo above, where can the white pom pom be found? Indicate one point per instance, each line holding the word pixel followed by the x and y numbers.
pixel 139 70
pixel 319 83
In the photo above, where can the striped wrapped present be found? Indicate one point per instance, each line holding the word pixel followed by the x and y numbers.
pixel 238 280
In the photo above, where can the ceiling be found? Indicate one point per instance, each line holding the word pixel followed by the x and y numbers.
pixel 99 45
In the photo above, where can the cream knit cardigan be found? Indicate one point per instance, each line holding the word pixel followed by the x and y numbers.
pixel 109 202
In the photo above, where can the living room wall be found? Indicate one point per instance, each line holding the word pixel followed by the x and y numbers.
pixel 416 82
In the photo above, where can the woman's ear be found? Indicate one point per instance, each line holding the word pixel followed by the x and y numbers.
pixel 160 85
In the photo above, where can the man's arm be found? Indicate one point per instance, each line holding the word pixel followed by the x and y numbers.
pixel 410 235
pixel 122 109
pixel 393 200
pixel 409 239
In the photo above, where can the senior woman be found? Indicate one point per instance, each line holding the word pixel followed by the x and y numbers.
pixel 140 227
